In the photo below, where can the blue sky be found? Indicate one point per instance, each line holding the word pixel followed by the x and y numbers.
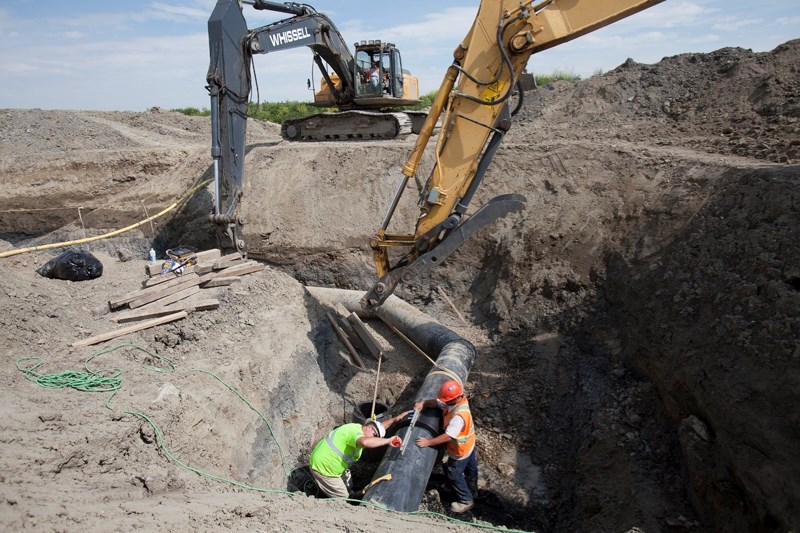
pixel 111 55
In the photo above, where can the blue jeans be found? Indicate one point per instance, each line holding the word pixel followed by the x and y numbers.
pixel 463 475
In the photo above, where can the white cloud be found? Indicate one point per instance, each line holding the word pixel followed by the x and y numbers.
pixel 730 24
pixel 671 15
pixel 788 21
pixel 176 13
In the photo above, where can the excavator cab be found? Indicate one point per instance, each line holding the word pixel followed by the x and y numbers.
pixel 380 80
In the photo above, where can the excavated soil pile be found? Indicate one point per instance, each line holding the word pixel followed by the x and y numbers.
pixel 637 325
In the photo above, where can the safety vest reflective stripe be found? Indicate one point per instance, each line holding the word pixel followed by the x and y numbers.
pixel 464 438
pixel 349 459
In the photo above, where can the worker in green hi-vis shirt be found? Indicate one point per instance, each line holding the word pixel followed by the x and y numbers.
pixel 335 454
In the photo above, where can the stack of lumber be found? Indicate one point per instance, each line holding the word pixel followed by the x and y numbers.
pixel 353 334
pixel 167 297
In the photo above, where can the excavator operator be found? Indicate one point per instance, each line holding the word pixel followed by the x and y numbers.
pixel 374 75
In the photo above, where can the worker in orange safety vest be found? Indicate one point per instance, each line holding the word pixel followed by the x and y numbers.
pixel 459 437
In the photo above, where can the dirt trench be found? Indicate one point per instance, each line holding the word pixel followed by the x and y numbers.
pixel 636 325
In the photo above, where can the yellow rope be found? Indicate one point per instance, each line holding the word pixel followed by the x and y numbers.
pixel 106 235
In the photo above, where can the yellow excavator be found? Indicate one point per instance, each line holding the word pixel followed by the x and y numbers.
pixel 360 84
pixel 473 105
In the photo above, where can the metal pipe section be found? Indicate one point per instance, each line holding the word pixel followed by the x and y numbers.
pixel 454 357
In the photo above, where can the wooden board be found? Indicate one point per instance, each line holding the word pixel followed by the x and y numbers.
pixel 170 299
pixel 219 265
pixel 230 257
pixel 147 312
pixel 366 337
pixel 196 305
pixel 241 270
pixel 167 291
pixel 129 329
pixel 221 281
pixel 141 293
pixel 341 313
pixel 203 269
pixel 354 339
pixel 208 256
pixel 343 337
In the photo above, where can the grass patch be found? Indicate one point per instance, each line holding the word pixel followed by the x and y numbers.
pixel 277 112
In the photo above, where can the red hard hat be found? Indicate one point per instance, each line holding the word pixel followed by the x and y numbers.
pixel 450 390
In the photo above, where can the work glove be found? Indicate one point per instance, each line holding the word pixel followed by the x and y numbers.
pixel 395 442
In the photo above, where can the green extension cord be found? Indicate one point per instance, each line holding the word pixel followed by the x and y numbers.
pixel 110 380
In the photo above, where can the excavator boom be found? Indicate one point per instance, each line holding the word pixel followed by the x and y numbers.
pixel 472 103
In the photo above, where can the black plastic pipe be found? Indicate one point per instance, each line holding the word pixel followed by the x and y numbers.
pixel 454 357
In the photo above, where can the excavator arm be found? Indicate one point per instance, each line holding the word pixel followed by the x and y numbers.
pixel 316 31
pixel 232 46
pixel 472 103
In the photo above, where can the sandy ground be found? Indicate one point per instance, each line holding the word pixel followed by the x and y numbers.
pixel 636 326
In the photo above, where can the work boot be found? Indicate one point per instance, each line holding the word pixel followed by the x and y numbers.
pixel 461 507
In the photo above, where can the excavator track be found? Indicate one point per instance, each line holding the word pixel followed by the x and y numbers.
pixel 347 126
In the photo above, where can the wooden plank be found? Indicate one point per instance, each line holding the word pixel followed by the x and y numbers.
pixel 221 281
pixel 167 291
pixel 341 313
pixel 241 270
pixel 140 314
pixel 151 312
pixel 172 298
pixel 366 337
pixel 341 310
pixel 208 256
pixel 154 269
pixel 135 295
pixel 129 329
pixel 351 335
pixel 203 269
pixel 196 305
pixel 229 257
pixel 219 265
pixel 343 337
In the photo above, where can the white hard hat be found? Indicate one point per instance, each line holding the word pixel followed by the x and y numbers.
pixel 378 425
